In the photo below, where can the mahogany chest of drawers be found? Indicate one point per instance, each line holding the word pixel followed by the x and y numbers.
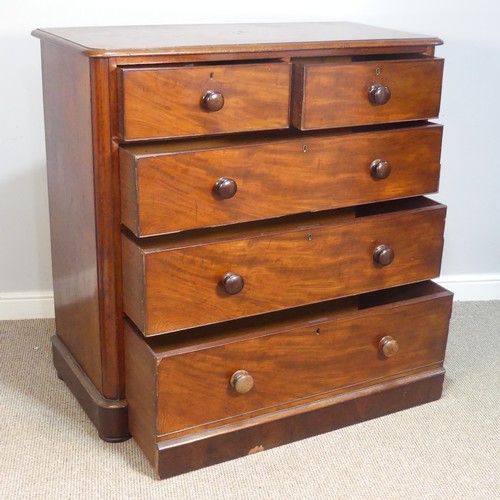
pixel 241 248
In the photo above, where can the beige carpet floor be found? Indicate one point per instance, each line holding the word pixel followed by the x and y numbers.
pixel 448 449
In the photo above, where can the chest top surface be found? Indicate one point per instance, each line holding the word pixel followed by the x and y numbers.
pixel 199 38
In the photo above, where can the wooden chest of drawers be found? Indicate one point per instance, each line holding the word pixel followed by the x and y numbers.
pixel 241 248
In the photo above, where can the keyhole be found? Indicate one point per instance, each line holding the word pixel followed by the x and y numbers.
pixel 318 331
pixel 378 71
pixel 211 76
pixel 304 148
pixel 309 237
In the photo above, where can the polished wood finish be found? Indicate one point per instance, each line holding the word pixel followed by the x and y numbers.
pixel 335 352
pixel 82 202
pixel 172 101
pixel 337 94
pixel 185 341
pixel 106 199
pixel 177 456
pixel 169 187
pixel 69 147
pixel 242 281
pixel 109 416
pixel 179 287
pixel 140 365
pixel 232 39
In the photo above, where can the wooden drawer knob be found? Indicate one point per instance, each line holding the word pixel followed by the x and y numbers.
pixel 242 381
pixel 388 346
pixel 233 283
pixel 212 100
pixel 380 169
pixel 379 94
pixel 225 188
pixel 383 255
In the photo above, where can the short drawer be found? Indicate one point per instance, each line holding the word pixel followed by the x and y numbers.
pixel 214 375
pixel 197 100
pixel 171 187
pixel 210 276
pixel 328 95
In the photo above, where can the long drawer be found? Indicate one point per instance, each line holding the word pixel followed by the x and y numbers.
pixel 217 275
pixel 172 101
pixel 172 187
pixel 180 382
pixel 366 92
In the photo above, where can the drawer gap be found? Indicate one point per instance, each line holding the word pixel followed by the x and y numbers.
pixel 390 57
pixel 185 145
pixel 303 221
pixel 241 62
pixel 310 315
pixel 386 207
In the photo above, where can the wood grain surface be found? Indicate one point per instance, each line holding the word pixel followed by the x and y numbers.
pixel 167 188
pixel 166 102
pixel 108 415
pixel 107 202
pixel 141 366
pixel 304 358
pixel 336 95
pixel 299 363
pixel 70 173
pixel 181 286
pixel 176 456
pixel 127 132
pixel 192 39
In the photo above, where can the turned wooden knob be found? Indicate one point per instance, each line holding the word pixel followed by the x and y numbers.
pixel 388 346
pixel 233 283
pixel 225 188
pixel 379 94
pixel 383 255
pixel 380 169
pixel 212 100
pixel 242 381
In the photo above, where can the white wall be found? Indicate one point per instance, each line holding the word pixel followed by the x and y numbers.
pixel 470 108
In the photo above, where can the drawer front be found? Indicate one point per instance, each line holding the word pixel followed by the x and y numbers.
pixel 344 94
pixel 184 101
pixel 169 191
pixel 286 365
pixel 183 287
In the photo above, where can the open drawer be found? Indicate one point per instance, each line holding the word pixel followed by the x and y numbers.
pixel 202 277
pixel 364 91
pixel 191 382
pixel 191 100
pixel 171 187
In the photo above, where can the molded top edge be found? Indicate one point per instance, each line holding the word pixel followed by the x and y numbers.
pixel 115 41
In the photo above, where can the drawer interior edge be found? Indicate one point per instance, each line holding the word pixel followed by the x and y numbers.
pixel 310 315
